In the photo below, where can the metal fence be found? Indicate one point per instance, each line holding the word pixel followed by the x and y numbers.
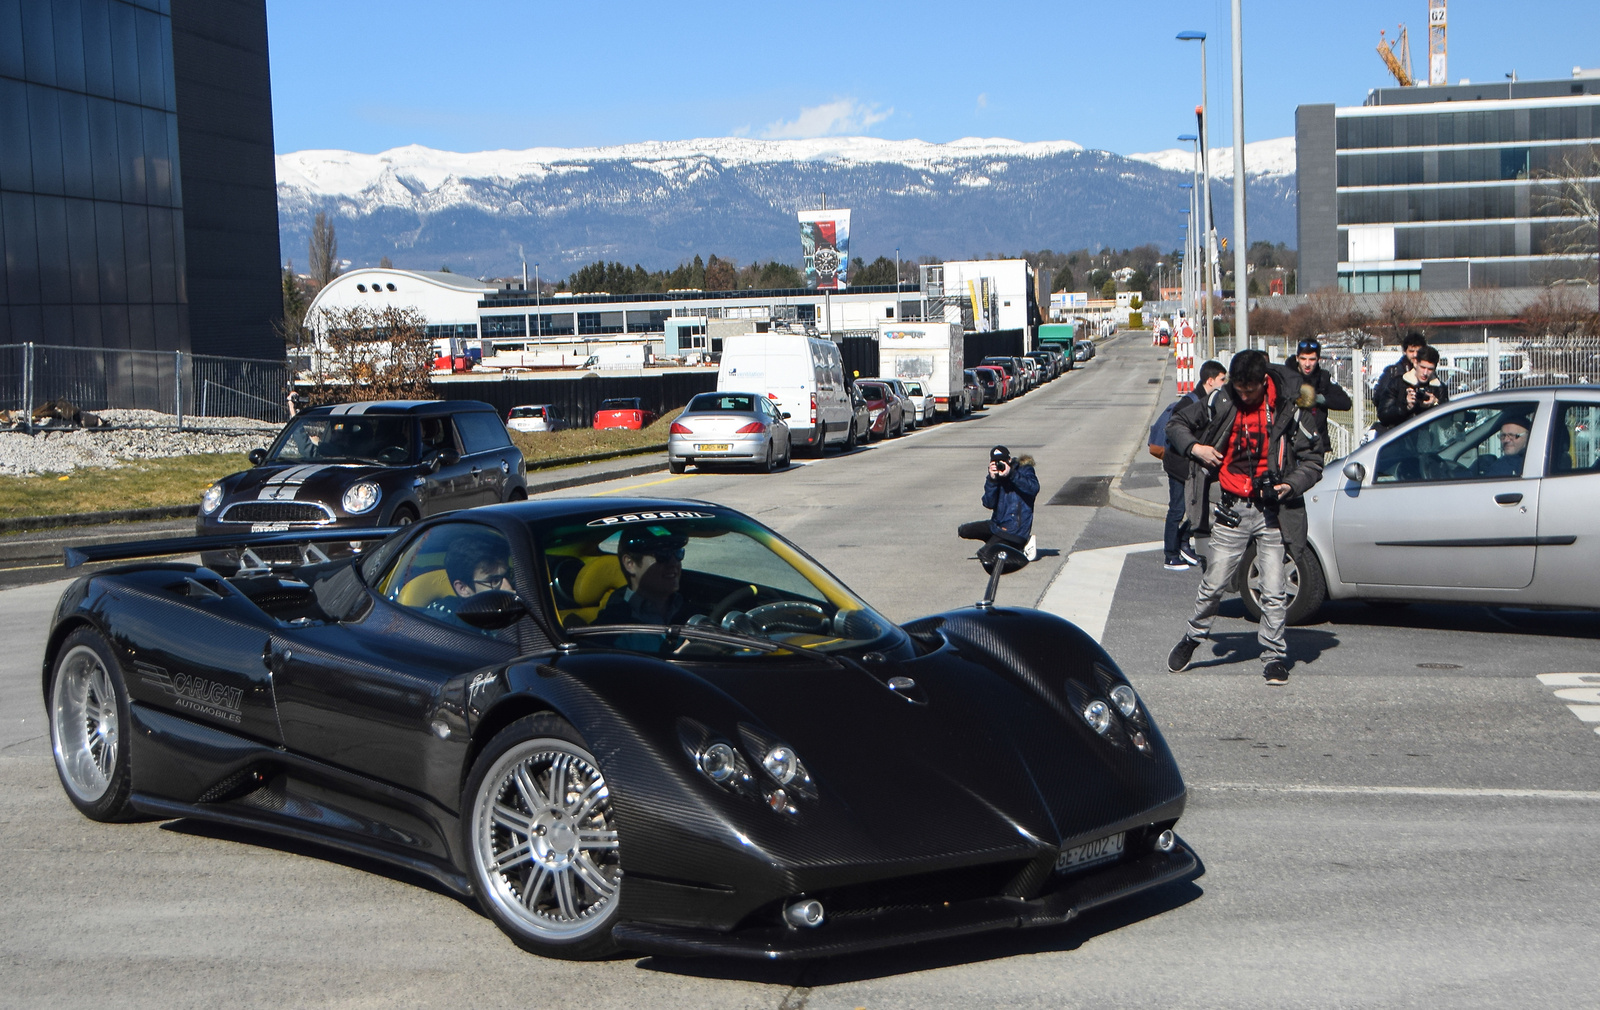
pixel 188 388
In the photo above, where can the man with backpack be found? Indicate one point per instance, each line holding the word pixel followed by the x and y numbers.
pixel 1179 553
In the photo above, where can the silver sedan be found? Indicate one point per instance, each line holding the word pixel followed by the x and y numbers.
pixel 1488 499
pixel 729 428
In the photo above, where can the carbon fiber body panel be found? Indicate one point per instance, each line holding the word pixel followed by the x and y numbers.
pixel 320 709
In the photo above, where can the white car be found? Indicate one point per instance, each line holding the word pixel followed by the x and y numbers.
pixel 536 417
pixel 920 398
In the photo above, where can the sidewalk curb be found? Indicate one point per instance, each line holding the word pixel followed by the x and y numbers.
pixel 1121 499
pixel 579 480
pixel 26 524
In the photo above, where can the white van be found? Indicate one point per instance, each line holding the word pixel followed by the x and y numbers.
pixel 803 376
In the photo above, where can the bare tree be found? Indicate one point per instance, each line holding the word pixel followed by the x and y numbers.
pixel 368 354
pixel 1399 313
pixel 1571 200
pixel 1560 314
pixel 324 251
pixel 1325 312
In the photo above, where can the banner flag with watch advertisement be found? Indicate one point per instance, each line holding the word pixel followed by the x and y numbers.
pixel 825 244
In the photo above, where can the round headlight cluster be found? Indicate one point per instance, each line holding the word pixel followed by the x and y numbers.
pixel 782 764
pixel 719 762
pixel 362 497
pixel 1126 701
pixel 1098 715
pixel 211 499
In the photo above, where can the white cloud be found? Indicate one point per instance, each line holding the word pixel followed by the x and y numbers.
pixel 983 100
pixel 843 117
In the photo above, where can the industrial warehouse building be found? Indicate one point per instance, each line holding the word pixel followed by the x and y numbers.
pixel 1441 188
pixel 138 205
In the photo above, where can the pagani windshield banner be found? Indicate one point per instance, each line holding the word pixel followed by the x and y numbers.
pixel 825 243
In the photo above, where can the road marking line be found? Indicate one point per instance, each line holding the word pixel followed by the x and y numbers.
pixel 630 487
pixel 1085 586
pixel 1583 687
pixel 1435 791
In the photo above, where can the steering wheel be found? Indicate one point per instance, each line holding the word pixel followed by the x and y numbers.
pixel 726 603
pixel 788 615
pixel 393 454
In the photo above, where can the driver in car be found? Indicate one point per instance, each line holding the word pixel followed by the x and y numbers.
pixel 652 562
pixel 474 564
pixel 1513 437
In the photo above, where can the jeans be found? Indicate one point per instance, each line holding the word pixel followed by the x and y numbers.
pixel 1177 534
pixel 1227 548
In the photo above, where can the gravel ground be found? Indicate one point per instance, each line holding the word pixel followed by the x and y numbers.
pixel 136 435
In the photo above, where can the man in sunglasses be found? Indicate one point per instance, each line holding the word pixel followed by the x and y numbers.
pixel 474 564
pixel 1308 358
pixel 652 561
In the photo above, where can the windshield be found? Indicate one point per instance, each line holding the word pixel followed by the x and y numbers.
pixel 347 438
pixel 720 403
pixel 527 411
pixel 619 404
pixel 640 571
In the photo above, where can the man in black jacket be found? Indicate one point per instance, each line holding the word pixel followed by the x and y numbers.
pixel 1258 438
pixel 1308 358
pixel 1418 389
pixel 1180 555
pixel 1409 347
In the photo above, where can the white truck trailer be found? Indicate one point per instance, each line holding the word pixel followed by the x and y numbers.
pixel 930 353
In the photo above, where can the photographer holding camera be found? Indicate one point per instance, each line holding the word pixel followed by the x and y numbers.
pixel 1259 438
pixel 1009 490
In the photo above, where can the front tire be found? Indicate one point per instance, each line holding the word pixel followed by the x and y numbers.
pixel 90 727
pixel 405 515
pixel 1303 582
pixel 541 840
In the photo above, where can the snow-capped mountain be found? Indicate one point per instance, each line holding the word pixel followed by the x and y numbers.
pixel 659 203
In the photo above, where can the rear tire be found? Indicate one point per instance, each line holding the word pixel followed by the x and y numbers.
pixel 677 465
pixel 767 465
pixel 90 727
pixel 537 790
pixel 1304 583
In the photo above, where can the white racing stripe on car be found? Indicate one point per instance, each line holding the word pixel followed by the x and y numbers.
pixel 287 484
pixel 1440 792
pixel 1085 586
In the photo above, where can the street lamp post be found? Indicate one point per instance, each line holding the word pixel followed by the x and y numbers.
pixel 538 317
pixel 1205 192
pixel 1193 262
pixel 1241 258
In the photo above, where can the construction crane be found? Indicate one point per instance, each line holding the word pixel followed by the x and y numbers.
pixel 1399 64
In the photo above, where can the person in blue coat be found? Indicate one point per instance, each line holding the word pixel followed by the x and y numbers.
pixel 1008 492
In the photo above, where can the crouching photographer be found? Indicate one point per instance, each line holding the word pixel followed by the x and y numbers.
pixel 1258 438
pixel 1009 489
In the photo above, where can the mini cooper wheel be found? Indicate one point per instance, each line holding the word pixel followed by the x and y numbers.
pixel 542 840
pixel 89 726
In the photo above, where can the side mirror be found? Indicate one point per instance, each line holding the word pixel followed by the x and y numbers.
pixel 492 610
pixel 1355 471
pixel 430 461
pixel 257 457
pixel 997 561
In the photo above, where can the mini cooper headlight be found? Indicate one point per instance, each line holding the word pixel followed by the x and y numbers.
pixel 1127 702
pixel 719 763
pixel 782 764
pixel 211 499
pixel 1098 715
pixel 362 497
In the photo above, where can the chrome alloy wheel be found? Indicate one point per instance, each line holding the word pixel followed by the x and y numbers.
pixel 83 724
pixel 545 842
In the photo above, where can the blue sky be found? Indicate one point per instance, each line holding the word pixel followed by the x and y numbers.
pixel 476 75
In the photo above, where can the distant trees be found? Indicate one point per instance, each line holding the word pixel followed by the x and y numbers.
pixel 291 325
pixel 385 263
pixel 879 271
pixel 714 274
pixel 373 354
pixel 721 274
pixel 324 251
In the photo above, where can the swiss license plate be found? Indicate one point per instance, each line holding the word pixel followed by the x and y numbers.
pixel 1089 853
pixel 715 447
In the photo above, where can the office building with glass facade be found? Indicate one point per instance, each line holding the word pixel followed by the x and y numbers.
pixel 1441 188
pixel 137 186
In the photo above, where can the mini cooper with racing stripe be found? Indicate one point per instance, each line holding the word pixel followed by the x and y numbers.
pixel 383 463
pixel 621 725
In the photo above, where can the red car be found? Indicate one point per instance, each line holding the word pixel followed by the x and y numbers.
pixel 625 412
pixel 885 412
pixel 1002 381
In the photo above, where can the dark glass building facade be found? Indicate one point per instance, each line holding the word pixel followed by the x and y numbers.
pixel 137 203
pixel 1438 188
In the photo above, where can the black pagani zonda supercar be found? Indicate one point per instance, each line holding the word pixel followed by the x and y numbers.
pixel 645 725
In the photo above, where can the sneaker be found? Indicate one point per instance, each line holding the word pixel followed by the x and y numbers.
pixel 1176 565
pixel 1178 658
pixel 1188 554
pixel 1031 549
pixel 1275 673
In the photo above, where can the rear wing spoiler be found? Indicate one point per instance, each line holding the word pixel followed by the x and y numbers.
pixel 245 543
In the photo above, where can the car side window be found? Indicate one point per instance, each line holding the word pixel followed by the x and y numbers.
pixel 1468 443
pixel 1574 445
pixel 446 565
pixel 481 431
pixel 438 433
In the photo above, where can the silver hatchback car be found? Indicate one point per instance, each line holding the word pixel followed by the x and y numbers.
pixel 1488 499
pixel 729 428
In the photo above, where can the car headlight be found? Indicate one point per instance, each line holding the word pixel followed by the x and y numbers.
pixel 1126 701
pixel 1098 715
pixel 362 497
pixel 719 763
pixel 782 764
pixel 211 499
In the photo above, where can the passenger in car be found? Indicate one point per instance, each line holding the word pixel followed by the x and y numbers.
pixel 652 562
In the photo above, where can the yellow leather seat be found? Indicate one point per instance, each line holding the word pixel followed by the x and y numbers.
pixel 425 588
pixel 601 576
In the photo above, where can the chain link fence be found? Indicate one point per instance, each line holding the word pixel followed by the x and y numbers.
pixel 187 389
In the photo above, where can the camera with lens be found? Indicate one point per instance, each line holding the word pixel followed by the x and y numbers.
pixel 1226 514
pixel 1264 488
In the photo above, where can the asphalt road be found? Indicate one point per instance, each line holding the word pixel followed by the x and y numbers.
pixel 1409 821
